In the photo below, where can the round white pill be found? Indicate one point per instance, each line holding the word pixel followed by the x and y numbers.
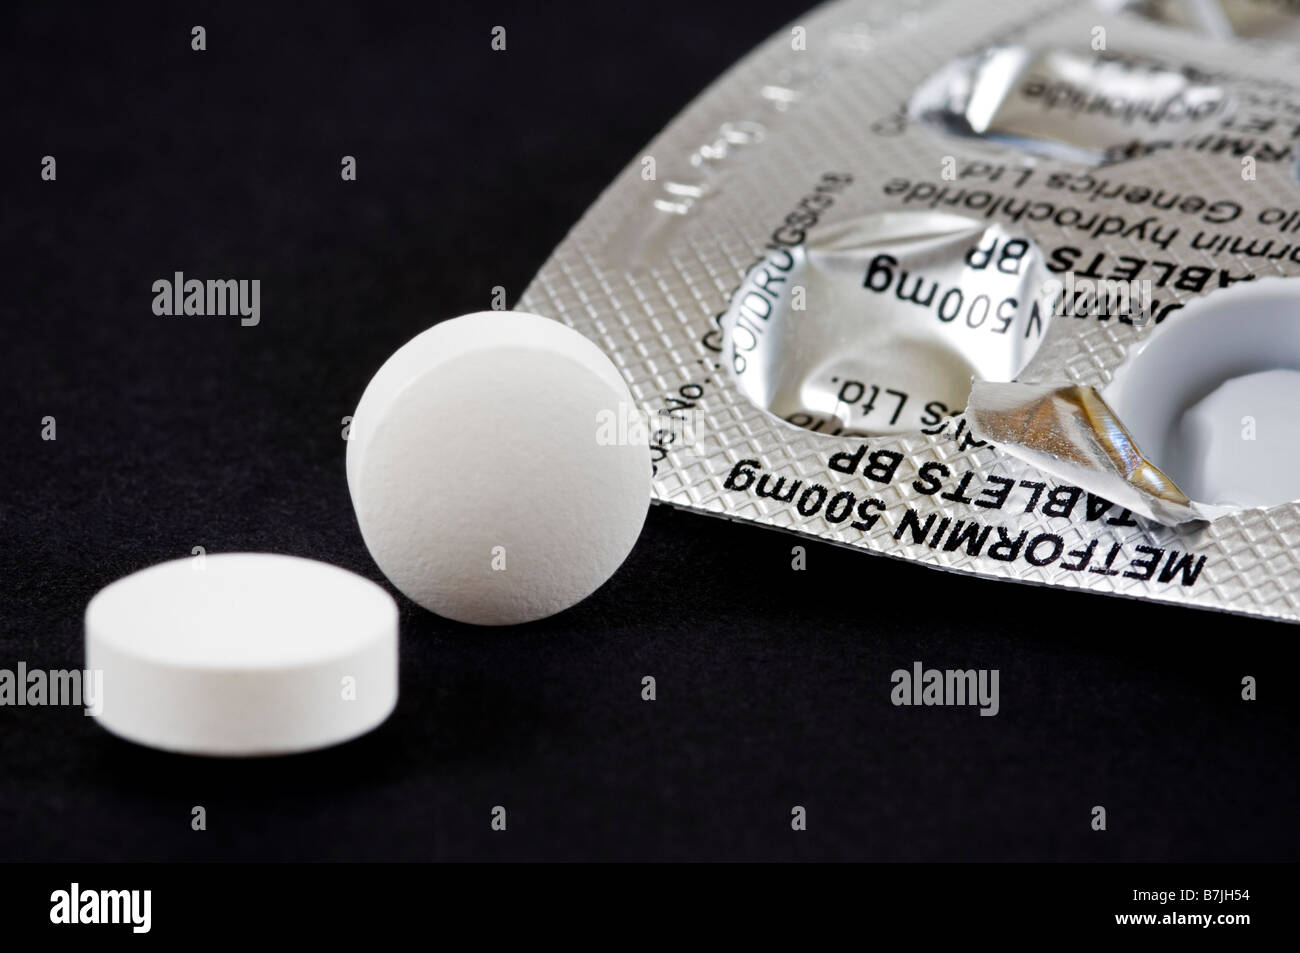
pixel 242 654
pixel 497 469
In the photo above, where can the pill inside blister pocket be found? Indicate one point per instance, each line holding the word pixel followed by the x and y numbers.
pixel 878 324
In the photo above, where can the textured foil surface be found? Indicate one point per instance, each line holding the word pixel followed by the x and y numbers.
pixel 811 133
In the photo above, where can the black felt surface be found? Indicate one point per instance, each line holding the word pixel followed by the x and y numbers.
pixel 773 685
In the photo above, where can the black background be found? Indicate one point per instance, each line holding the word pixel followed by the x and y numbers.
pixel 472 165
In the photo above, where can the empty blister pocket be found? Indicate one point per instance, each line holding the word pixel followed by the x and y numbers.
pixel 878 324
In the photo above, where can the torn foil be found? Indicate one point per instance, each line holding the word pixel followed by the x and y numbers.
pixel 1071 433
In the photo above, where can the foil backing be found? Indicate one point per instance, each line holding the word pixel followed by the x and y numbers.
pixel 810 134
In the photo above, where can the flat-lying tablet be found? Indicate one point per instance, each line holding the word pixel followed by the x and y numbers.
pixel 243 654
pixel 491 478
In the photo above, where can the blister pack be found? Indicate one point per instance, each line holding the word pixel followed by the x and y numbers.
pixel 997 287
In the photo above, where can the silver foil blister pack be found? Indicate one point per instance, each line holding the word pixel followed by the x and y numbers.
pixel 941 281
